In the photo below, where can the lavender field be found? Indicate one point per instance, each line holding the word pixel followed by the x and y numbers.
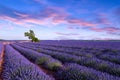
pixel 60 60
pixel 60 40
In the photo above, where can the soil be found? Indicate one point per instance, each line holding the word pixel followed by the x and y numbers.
pixel 1 62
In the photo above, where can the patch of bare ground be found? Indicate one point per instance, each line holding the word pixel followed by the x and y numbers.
pixel 1 63
pixel 48 72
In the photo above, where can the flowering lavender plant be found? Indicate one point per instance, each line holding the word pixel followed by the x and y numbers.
pixel 17 67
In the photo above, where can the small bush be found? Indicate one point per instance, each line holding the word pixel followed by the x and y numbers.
pixel 41 60
pixel 53 64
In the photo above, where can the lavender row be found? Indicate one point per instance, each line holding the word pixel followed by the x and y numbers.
pixel 58 50
pixel 89 62
pixel 17 67
pixel 78 43
pixel 39 58
pixel 112 58
pixel 96 51
pixel 98 64
pixel 95 63
pixel 107 57
pixel 72 71
pixel 81 51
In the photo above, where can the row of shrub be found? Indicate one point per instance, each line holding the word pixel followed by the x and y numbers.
pixel 72 71
pixel 104 66
pixel 39 58
pixel 17 67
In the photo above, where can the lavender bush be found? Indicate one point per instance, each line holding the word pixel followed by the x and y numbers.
pixel 17 67
pixel 72 71
pixel 93 62
pixel 39 58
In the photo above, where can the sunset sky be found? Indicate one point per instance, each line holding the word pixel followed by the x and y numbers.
pixel 60 19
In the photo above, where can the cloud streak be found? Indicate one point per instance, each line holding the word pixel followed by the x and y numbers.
pixel 106 29
pixel 67 34
pixel 57 15
pixel 80 22
pixel 101 18
pixel 66 16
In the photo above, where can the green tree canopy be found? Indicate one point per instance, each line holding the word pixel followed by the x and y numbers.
pixel 31 35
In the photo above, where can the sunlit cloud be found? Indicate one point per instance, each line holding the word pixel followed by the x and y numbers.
pixel 70 28
pixel 67 34
pixel 21 15
pixel 106 29
pixel 101 18
pixel 98 38
pixel 81 22
pixel 61 19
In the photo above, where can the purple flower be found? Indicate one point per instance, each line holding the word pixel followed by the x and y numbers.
pixel 17 67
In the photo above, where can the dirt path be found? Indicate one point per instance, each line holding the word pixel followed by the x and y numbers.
pixel 1 62
pixel 48 72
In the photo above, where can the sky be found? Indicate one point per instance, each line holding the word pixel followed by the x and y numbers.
pixel 60 19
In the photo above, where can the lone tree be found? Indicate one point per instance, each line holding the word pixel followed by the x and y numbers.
pixel 31 35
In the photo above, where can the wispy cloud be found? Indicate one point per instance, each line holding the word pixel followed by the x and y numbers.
pixel 57 15
pixel 69 15
pixel 102 18
pixel 106 29
pixel 63 38
pixel 67 34
pixel 99 38
pixel 81 22
pixel 50 16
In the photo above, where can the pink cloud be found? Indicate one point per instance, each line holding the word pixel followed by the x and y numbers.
pixel 48 16
pixel 59 19
pixel 24 22
pixel 70 27
pixel 7 18
pixel 112 29
pixel 97 29
pixel 57 14
pixel 52 15
pixel 106 29
pixel 102 19
pixel 62 37
pixel 98 38
pixel 21 15
pixel 48 13
pixel 81 23
pixel 67 34
pixel 35 21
